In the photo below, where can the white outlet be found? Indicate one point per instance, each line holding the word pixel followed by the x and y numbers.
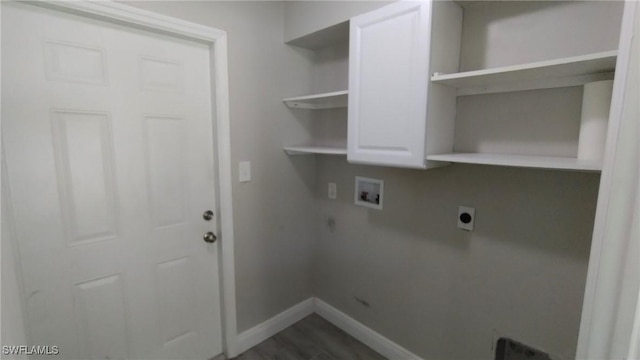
pixel 466 218
pixel 244 171
pixel 332 190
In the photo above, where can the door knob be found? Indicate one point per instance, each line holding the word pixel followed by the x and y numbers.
pixel 209 237
pixel 207 215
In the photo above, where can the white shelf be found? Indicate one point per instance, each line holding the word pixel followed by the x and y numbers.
pixel 309 150
pixel 332 100
pixel 330 36
pixel 540 162
pixel 569 71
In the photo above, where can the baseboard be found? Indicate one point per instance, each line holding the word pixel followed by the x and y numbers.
pixel 377 342
pixel 261 332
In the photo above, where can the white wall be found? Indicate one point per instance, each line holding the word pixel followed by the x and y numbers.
pixel 273 213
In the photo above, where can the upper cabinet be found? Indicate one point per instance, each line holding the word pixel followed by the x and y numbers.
pixel 396 116
pixel 524 84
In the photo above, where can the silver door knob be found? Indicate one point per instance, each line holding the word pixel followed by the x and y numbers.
pixel 209 237
pixel 207 215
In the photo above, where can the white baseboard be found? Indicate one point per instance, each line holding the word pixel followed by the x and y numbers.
pixel 377 342
pixel 261 332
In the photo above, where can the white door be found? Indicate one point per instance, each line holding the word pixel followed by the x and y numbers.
pixel 388 77
pixel 107 138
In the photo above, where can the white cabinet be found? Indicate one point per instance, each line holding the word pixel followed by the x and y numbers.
pixel 396 116
pixel 412 71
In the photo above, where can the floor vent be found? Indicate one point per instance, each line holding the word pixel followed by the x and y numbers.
pixel 509 349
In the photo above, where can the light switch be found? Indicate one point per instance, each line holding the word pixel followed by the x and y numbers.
pixel 332 190
pixel 244 171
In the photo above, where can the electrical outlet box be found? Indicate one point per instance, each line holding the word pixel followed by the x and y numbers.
pixel 466 218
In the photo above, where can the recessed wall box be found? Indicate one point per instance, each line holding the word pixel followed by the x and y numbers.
pixel 466 217
pixel 369 192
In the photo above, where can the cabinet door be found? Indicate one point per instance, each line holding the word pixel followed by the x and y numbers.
pixel 388 75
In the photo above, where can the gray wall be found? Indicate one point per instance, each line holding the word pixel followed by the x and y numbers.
pixel 305 17
pixel 448 294
pixel 501 33
pixel 274 212
pixel 445 293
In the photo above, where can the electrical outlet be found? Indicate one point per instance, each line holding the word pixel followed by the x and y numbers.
pixel 466 218
pixel 332 190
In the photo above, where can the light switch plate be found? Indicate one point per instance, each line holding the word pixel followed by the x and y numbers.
pixel 244 171
pixel 332 190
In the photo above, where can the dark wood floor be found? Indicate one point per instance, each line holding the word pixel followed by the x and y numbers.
pixel 312 338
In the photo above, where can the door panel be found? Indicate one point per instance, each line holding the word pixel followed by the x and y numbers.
pixel 82 145
pixel 101 316
pixel 166 170
pixel 107 139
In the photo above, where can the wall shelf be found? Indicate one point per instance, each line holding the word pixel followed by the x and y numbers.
pixel 332 100
pixel 569 71
pixel 539 162
pixel 323 38
pixel 310 150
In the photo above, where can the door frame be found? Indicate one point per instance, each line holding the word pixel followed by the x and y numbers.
pixel 611 291
pixel 113 12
